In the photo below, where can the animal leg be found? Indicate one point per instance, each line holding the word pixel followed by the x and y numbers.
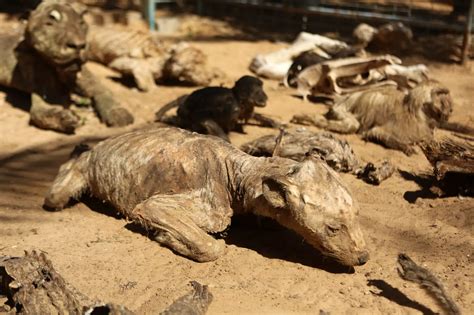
pixel 266 121
pixel 379 135
pixel 52 117
pixel 69 183
pixel 108 108
pixel 341 121
pixel 336 120
pixel 138 68
pixel 144 79
pixel 213 128
pixel 175 218
pixel 310 120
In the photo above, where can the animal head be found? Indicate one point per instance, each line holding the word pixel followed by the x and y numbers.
pixel 57 31
pixel 249 91
pixel 309 198
pixel 433 99
pixel 301 62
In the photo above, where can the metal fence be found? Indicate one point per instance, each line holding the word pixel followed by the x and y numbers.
pixel 427 14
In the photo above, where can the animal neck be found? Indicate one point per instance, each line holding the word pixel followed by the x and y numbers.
pixel 246 182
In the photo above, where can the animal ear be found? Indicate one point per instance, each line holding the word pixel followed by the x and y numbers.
pixel 275 191
pixel 78 7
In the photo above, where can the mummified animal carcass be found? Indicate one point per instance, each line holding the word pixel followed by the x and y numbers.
pixel 183 186
pixel 337 153
pixel 334 78
pixel 297 143
pixel 146 58
pixel 275 65
pixel 390 38
pixel 391 117
pixel 453 164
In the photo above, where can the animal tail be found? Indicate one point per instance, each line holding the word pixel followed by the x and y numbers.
pixel 176 103
pixel 410 271
pixel 455 127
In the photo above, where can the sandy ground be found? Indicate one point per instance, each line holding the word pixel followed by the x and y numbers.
pixel 266 270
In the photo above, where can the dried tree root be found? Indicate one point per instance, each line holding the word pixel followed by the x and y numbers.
pixel 195 302
pixel 32 286
pixel 410 271
pixel 376 174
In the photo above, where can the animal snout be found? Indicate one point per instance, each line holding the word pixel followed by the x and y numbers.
pixel 76 45
pixel 261 101
pixel 363 258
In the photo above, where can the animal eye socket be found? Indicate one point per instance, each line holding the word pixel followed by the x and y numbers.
pixel 332 230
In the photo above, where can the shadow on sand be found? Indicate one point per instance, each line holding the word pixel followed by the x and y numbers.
pixel 397 296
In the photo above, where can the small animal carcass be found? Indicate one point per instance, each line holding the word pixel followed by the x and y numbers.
pixel 147 59
pixel 219 110
pixel 394 118
pixel 275 65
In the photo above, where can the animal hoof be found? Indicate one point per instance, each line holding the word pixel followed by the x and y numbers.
pixel 118 117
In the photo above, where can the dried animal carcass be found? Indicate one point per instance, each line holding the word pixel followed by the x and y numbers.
pixel 314 57
pixel 298 143
pixel 45 58
pixel 389 38
pixel 32 286
pixel 337 153
pixel 334 78
pixel 275 65
pixel 394 118
pixel 453 164
pixel 184 185
pixel 219 110
pixel 147 59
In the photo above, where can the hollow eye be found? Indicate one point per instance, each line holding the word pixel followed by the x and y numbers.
pixel 55 15
pixel 332 230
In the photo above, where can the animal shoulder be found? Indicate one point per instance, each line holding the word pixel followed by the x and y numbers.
pixel 214 97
